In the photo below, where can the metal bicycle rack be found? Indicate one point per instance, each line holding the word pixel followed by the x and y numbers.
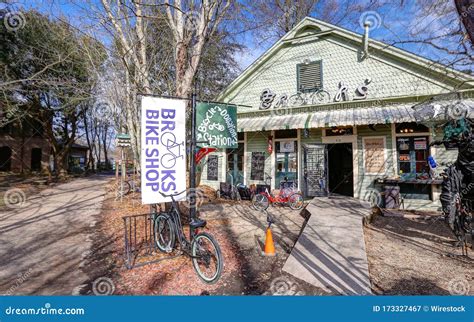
pixel 140 248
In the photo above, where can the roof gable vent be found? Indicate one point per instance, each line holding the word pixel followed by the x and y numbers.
pixel 309 76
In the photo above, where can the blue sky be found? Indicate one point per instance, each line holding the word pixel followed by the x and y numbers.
pixel 393 21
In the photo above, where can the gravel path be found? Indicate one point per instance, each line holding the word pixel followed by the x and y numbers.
pixel 44 239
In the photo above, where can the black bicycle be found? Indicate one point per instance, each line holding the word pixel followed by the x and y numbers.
pixel 203 249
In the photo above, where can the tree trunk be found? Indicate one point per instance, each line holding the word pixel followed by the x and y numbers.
pixel 61 165
pixel 104 143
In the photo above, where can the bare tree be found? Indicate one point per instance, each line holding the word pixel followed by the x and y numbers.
pixel 271 20
pixel 435 29
pixel 192 26
pixel 127 22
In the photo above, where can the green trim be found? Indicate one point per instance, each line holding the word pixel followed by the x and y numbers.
pixel 306 124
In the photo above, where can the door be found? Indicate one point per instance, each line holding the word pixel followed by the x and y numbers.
pixel 315 170
pixel 5 158
pixel 340 169
pixel 235 165
pixel 286 170
pixel 35 159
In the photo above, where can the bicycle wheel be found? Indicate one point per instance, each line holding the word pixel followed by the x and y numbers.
pixel 296 100
pixel 321 97
pixel 164 233
pixel 126 189
pixel 207 258
pixel 236 195
pixel 296 201
pixel 260 202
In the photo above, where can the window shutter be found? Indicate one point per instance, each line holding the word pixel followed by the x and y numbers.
pixel 310 76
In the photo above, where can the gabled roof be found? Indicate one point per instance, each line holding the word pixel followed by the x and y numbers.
pixel 311 28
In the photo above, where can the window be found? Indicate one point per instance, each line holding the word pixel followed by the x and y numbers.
pixel 407 128
pixel 337 131
pixel 412 155
pixel 286 134
pixel 309 76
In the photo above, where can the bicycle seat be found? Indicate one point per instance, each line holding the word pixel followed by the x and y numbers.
pixel 171 195
pixel 197 223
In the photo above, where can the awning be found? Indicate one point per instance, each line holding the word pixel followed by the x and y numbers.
pixel 340 117
pixel 274 122
pixel 363 116
pixel 435 110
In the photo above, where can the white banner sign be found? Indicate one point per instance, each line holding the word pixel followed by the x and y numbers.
pixel 163 149
pixel 287 146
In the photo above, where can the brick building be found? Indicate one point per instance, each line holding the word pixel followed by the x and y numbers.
pixel 23 148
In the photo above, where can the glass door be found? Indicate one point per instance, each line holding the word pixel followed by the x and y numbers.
pixel 235 165
pixel 315 170
pixel 286 165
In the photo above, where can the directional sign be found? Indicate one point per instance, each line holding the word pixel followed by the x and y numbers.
pixel 123 140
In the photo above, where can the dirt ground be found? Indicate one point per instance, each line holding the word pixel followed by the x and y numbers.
pixel 240 231
pixel 413 254
pixel 407 254
pixel 15 188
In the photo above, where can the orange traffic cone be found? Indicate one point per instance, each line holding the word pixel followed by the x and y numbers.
pixel 269 245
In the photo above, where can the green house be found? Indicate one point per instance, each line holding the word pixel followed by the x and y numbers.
pixel 331 111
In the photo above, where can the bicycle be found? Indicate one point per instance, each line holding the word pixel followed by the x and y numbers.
pixel 287 196
pixel 320 96
pixel 229 190
pixel 127 186
pixel 168 232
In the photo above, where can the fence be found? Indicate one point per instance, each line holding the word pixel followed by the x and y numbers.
pixel 140 248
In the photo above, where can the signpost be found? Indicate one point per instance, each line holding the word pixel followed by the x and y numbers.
pixel 122 141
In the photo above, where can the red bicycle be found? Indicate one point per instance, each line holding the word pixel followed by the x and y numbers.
pixel 287 196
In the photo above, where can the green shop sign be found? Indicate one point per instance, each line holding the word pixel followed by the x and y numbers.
pixel 217 124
